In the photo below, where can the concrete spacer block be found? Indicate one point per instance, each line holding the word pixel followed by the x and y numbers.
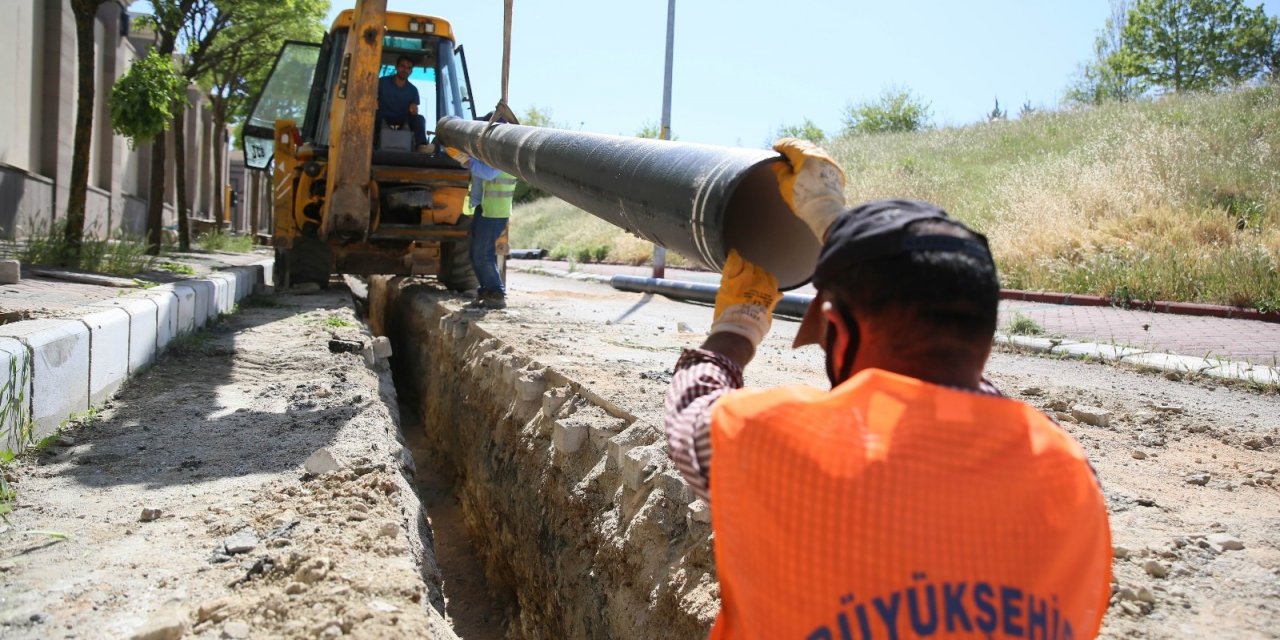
pixel 10 272
pixel 700 511
pixel 603 430
pixel 142 329
pixel 639 434
pixel 637 465
pixel 382 347
pixel 188 307
pixel 530 385
pixel 553 399
pixel 108 352
pixel 568 436
pixel 59 352
pixel 15 393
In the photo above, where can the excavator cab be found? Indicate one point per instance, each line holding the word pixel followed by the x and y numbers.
pixel 414 223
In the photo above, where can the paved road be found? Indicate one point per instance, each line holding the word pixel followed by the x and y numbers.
pixel 1240 340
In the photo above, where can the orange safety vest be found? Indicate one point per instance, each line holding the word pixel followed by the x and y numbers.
pixel 894 508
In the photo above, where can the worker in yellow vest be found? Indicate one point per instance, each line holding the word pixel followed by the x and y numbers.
pixel 911 500
pixel 489 202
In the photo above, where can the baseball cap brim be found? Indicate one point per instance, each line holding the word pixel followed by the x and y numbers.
pixel 810 331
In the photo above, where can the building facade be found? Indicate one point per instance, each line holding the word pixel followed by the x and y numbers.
pixel 38 43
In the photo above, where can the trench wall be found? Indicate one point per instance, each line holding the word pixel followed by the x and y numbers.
pixel 572 501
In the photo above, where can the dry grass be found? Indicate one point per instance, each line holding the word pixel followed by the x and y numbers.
pixel 1176 199
pixel 568 232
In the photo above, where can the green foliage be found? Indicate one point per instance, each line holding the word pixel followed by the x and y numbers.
pixel 997 113
pixel 806 130
pixel 895 111
pixel 1196 45
pixel 141 101
pixel 1022 325
pixel 653 131
pixel 122 256
pixel 176 268
pixel 217 240
pixel 539 117
pixel 1101 79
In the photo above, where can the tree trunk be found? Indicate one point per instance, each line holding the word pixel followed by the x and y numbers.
pixel 155 197
pixel 180 174
pixel 85 12
pixel 220 211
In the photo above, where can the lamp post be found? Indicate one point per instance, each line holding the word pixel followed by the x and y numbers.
pixel 664 129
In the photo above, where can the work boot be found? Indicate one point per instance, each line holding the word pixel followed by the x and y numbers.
pixel 493 300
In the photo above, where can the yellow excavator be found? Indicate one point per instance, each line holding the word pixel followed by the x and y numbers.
pixel 352 195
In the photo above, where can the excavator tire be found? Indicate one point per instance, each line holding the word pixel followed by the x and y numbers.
pixel 456 273
pixel 309 260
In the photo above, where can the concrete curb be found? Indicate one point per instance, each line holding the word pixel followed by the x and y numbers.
pixel 52 369
pixel 1225 369
pixel 1172 363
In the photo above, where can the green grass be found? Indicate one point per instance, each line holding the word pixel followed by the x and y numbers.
pixel 334 322
pixel 176 267
pixel 1021 325
pixel 122 255
pixel 1173 199
pixel 219 241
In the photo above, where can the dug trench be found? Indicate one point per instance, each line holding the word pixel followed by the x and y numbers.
pixel 546 418
pixel 545 504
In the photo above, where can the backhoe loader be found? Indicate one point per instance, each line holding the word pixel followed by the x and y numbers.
pixel 351 195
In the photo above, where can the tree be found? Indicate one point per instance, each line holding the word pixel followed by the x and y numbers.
pixel 895 110
pixel 242 57
pixel 1102 79
pixel 141 100
pixel 85 12
pixel 1196 45
pixel 997 113
pixel 806 130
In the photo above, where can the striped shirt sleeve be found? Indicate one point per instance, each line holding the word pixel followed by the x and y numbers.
pixel 700 378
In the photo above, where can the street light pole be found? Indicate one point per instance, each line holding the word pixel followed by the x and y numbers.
pixel 664 129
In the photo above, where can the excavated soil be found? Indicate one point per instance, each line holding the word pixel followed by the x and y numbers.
pixel 183 509
pixel 600 541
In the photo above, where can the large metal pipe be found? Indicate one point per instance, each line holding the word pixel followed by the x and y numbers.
pixel 791 304
pixel 699 200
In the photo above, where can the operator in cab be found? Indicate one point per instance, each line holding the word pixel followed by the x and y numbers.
pixel 398 102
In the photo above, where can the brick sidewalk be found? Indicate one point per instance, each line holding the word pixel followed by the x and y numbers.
pixel 1230 339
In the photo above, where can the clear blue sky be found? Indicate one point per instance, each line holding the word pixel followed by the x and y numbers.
pixel 742 69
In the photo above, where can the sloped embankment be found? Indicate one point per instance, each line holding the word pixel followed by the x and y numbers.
pixel 570 498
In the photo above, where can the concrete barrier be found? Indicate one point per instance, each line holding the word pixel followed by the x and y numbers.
pixel 59 352
pixel 143 327
pixel 108 351
pixel 15 393
pixel 53 369
pixel 187 306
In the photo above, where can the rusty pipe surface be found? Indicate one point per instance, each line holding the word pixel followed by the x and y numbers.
pixel 699 200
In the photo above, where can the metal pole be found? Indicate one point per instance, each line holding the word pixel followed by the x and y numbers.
pixel 664 129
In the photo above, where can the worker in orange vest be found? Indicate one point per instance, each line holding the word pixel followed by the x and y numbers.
pixel 912 500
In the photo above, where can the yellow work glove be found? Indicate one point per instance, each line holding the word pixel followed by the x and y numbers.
pixel 745 302
pixel 812 184
pixel 458 156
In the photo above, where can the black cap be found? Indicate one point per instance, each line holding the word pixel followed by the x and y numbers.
pixel 877 230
